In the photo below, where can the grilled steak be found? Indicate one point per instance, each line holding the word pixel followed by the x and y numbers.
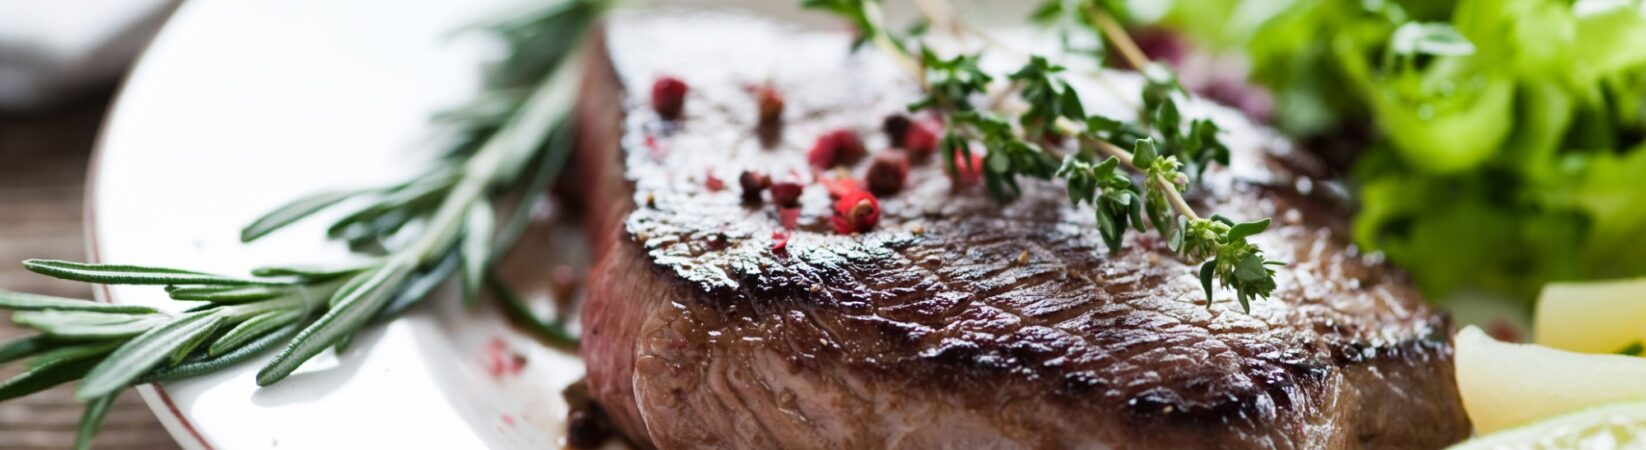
pixel 958 321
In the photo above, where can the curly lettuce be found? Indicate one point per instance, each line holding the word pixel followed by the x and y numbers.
pixel 1509 133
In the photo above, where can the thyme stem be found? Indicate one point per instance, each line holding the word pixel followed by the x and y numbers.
pixel 1167 188
pixel 1121 154
pixel 873 14
pixel 940 15
pixel 1117 35
pixel 1170 191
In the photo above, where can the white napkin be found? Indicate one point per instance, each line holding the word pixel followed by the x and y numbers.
pixel 51 48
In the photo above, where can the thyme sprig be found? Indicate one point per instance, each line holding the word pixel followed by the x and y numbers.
pixel 1166 153
pixel 414 235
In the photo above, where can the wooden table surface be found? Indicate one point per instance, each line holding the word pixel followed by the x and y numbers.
pixel 43 159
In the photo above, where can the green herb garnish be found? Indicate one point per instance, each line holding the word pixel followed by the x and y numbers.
pixel 1122 185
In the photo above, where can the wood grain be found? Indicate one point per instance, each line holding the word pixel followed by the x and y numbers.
pixel 43 160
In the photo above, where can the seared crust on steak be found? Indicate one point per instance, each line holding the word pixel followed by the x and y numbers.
pixel 959 322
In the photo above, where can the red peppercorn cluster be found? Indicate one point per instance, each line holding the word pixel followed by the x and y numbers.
pixel 669 97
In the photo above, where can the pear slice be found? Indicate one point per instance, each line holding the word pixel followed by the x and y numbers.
pixel 1595 317
pixel 1505 384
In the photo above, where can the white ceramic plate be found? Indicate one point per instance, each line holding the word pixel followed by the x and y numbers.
pixel 240 105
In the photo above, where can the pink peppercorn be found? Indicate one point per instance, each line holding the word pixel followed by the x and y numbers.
pixel 856 212
pixel 968 171
pixel 836 148
pixel 753 183
pixel 780 241
pixel 896 127
pixel 887 173
pixel 921 139
pixel 771 105
pixel 789 217
pixel 669 97
pixel 714 183
pixel 839 187
pixel 786 194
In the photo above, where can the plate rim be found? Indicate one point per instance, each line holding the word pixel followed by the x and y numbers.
pixel 172 419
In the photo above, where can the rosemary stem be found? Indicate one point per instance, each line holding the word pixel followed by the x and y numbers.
pixel 443 226
pixel 1117 35
pixel 520 136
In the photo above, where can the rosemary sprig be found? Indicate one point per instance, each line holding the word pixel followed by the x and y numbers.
pixel 1122 185
pixel 111 347
pixel 417 234
pixel 452 202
